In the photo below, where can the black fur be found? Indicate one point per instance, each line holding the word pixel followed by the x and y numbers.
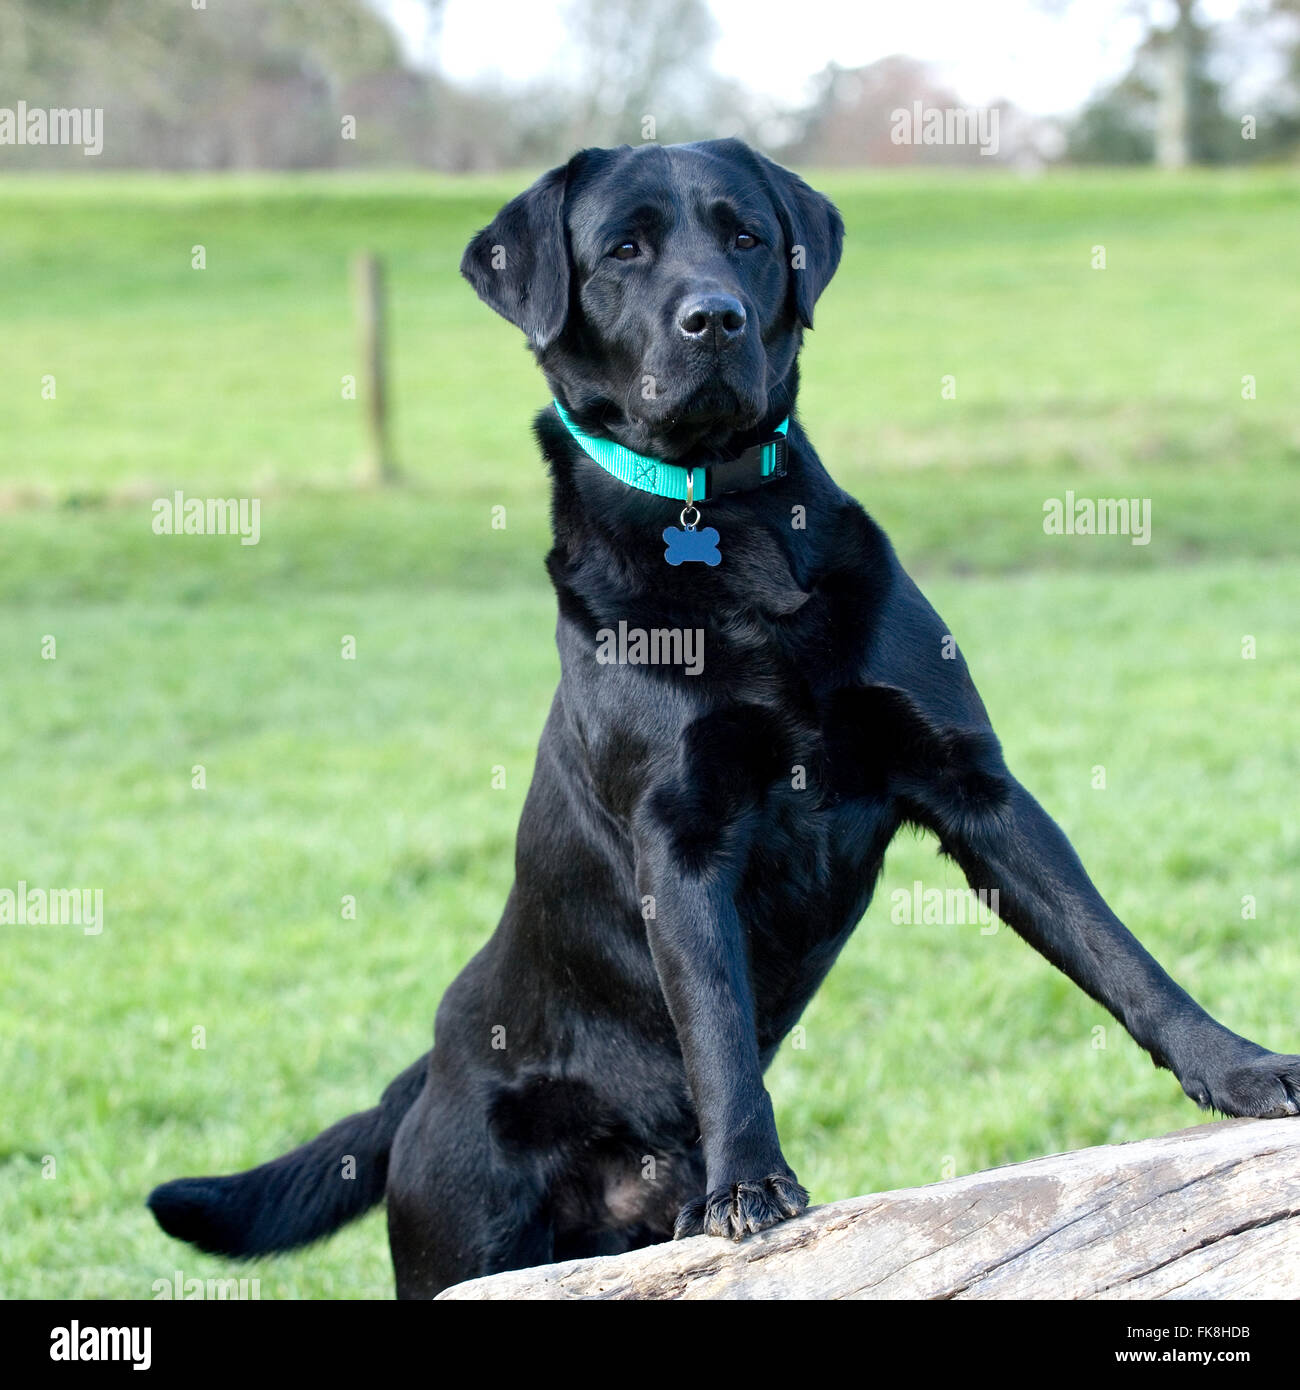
pixel 694 849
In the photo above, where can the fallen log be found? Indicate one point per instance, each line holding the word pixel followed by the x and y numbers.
pixel 1210 1212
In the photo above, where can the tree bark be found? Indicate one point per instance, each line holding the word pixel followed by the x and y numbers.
pixel 1210 1212
pixel 1173 117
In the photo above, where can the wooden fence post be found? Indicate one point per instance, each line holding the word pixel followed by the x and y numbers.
pixel 368 292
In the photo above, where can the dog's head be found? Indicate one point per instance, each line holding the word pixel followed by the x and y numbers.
pixel 663 289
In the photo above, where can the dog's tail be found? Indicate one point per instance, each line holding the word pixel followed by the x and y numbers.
pixel 298 1198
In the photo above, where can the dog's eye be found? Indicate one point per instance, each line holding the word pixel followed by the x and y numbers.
pixel 626 251
pixel 746 240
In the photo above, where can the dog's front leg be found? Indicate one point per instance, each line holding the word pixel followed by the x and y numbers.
pixel 701 956
pixel 1005 841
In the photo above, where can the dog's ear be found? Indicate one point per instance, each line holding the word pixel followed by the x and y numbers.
pixel 520 263
pixel 814 233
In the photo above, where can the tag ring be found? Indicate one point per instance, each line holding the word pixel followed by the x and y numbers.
pixel 690 502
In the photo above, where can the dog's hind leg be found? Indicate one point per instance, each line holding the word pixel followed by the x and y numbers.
pixel 457 1209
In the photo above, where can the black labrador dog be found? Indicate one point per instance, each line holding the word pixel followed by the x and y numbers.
pixel 748 712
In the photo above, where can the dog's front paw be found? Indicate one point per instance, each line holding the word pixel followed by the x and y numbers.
pixel 1265 1087
pixel 744 1208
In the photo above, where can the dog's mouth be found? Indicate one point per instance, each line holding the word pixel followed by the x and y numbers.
pixel 705 420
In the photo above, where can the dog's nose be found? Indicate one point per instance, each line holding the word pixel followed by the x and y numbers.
pixel 713 319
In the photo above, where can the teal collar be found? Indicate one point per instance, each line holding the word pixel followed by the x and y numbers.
pixel 757 465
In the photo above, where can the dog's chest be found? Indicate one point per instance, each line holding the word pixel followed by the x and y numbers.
pixel 742 724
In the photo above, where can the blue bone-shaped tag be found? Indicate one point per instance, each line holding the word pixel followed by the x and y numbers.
pixel 692 545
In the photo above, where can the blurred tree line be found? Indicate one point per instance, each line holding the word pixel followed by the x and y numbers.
pixel 1197 93
pixel 246 84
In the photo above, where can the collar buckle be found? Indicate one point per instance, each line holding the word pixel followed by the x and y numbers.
pixel 759 464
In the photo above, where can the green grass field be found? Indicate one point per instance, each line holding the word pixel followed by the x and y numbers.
pixel 932 1049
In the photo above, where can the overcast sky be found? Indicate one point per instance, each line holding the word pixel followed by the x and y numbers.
pixel 983 49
